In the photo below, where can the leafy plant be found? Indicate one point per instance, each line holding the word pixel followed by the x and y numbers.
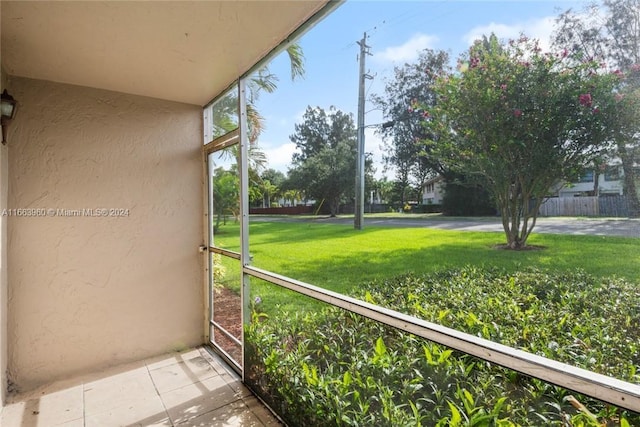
pixel 219 270
pixel 334 368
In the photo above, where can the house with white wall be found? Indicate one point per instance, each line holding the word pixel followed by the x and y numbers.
pixel 610 182
pixel 433 191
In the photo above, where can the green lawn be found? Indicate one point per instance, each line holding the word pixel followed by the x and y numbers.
pixel 339 258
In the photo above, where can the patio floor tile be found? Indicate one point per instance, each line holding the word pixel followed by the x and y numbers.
pixel 192 388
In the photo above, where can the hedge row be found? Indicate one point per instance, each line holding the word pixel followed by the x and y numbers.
pixel 334 368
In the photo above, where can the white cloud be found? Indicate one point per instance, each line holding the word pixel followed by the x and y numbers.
pixel 540 29
pixel 408 51
pixel 279 157
pixel 298 117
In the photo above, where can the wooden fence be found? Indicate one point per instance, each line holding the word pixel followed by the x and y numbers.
pixel 585 206
pixel 285 210
pixel 613 206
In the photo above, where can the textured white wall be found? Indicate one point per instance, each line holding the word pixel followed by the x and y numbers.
pixel 90 292
pixel 4 185
pixel 4 175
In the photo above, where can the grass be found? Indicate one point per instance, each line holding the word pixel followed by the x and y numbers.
pixel 341 259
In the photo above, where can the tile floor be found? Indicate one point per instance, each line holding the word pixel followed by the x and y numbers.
pixel 193 388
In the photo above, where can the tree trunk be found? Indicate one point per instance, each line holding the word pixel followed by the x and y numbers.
pixel 508 213
pixel 333 208
pixel 629 181
pixel 596 183
pixel 514 238
pixel 516 213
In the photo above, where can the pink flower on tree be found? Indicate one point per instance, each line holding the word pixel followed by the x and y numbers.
pixel 503 86
pixel 517 112
pixel 585 100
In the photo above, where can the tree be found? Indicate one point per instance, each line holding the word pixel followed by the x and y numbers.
pixel 293 196
pixel 325 160
pixel 257 161
pixel 226 195
pixel 411 85
pixel 517 121
pixel 225 112
pixel 225 117
pixel 464 196
pixel 271 186
pixel 384 189
pixel 270 191
pixel 611 35
pixel 623 115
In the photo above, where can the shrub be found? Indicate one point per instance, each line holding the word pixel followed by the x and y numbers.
pixel 219 270
pixel 335 368
pixel 429 208
pixel 464 199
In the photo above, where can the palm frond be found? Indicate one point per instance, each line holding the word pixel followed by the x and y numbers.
pixel 263 80
pixel 257 159
pixel 256 123
pixel 296 57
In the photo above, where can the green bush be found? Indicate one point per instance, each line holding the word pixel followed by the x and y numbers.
pixel 219 270
pixel 462 198
pixel 428 208
pixel 334 368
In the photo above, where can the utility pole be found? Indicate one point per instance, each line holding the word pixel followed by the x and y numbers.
pixel 358 217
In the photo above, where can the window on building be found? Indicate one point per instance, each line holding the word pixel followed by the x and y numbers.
pixel 586 177
pixel 612 173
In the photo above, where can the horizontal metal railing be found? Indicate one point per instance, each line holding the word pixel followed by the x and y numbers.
pixel 225 332
pixel 217 348
pixel 225 252
pixel 222 142
pixel 607 389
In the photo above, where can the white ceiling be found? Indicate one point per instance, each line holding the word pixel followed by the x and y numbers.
pixel 186 51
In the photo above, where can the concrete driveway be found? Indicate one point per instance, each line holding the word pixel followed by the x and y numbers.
pixel 556 225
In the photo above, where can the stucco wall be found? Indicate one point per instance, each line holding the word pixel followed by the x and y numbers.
pixel 89 292
pixel 4 174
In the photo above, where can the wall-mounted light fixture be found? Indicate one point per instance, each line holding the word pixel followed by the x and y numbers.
pixel 8 109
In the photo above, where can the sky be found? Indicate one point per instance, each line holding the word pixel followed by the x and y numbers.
pixel 396 32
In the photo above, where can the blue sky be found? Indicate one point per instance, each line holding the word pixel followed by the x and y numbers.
pixel 397 31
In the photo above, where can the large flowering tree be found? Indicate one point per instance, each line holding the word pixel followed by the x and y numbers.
pixel 610 32
pixel 518 121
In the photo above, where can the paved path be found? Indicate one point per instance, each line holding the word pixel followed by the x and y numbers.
pixel 600 227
